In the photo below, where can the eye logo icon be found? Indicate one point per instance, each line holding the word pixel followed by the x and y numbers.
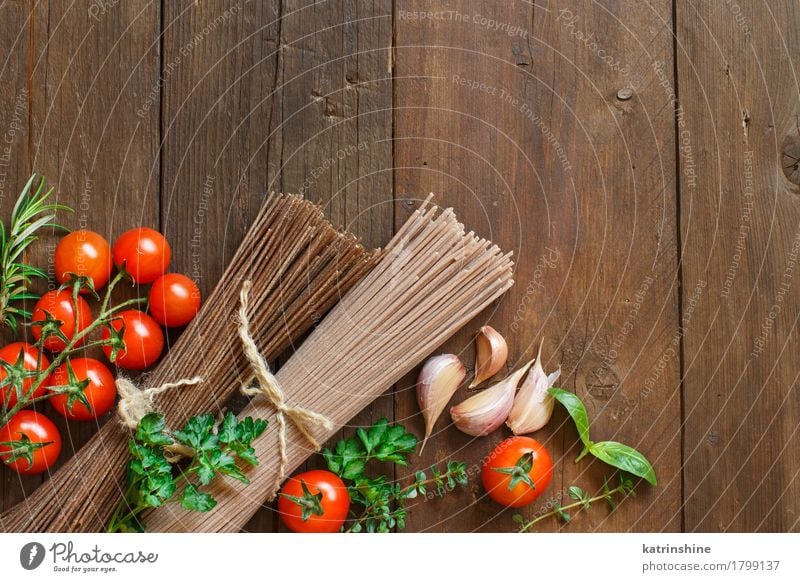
pixel 31 555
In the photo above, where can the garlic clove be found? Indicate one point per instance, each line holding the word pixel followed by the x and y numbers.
pixel 438 380
pixel 485 412
pixel 533 406
pixel 491 353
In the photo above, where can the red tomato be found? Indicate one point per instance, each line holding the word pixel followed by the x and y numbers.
pixel 84 253
pixel 28 430
pixel 143 339
pixel 517 471
pixel 144 252
pixel 174 300
pixel 100 390
pixel 321 508
pixel 11 354
pixel 59 304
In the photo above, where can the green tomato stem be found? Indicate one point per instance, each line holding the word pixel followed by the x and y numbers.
pixel 74 344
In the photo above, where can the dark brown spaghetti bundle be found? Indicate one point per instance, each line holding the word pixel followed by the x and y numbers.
pixel 299 265
pixel 432 279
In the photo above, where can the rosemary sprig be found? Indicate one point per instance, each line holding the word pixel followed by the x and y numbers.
pixel 31 213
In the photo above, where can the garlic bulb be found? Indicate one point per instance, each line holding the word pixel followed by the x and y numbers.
pixel 491 353
pixel 485 412
pixel 438 380
pixel 533 406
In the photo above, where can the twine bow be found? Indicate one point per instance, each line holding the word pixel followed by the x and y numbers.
pixel 135 403
pixel 305 420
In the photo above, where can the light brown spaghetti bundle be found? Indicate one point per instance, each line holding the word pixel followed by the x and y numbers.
pixel 299 265
pixel 432 279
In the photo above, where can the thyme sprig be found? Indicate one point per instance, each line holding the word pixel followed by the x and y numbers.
pixel 582 501
pixel 381 504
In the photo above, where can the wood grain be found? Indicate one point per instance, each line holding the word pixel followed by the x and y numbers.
pixel 264 96
pixel 738 85
pixel 178 116
pixel 99 155
pixel 15 96
pixel 336 127
pixel 507 117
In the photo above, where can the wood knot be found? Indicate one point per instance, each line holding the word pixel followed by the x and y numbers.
pixel 791 159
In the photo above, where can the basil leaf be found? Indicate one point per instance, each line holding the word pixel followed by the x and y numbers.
pixel 576 410
pixel 626 458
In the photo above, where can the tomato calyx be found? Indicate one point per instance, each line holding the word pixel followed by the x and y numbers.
pixel 17 374
pixel 77 283
pixel 21 449
pixel 520 472
pixel 115 339
pixel 50 327
pixel 74 389
pixel 310 504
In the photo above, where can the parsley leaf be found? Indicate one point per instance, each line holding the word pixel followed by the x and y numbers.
pixel 152 481
pixel 195 500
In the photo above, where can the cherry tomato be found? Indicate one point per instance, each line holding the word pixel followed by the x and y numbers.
pixel 143 339
pixel 100 390
pixel 144 252
pixel 59 305
pixel 28 430
pixel 303 511
pixel 83 253
pixel 174 300
pixel 517 471
pixel 11 355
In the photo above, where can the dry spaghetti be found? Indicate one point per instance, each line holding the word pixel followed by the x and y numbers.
pixel 300 265
pixel 432 279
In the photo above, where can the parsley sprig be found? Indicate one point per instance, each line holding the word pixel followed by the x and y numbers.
pixel 382 504
pixel 153 481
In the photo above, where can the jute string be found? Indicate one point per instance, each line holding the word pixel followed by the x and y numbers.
pixel 135 403
pixel 267 385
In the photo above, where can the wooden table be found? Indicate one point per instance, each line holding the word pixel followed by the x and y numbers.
pixel 640 158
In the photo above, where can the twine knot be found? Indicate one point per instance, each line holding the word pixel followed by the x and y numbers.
pixel 135 403
pixel 267 385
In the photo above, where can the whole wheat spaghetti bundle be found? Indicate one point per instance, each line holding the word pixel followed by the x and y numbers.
pixel 299 265
pixel 432 279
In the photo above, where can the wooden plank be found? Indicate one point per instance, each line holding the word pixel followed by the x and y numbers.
pixel 14 164
pixel 89 70
pixel 218 70
pixel 336 126
pixel 737 82
pixel 242 118
pixel 507 115
pixel 221 127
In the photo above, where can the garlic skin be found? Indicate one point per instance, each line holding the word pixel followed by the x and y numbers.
pixel 438 380
pixel 485 412
pixel 533 406
pixel 491 353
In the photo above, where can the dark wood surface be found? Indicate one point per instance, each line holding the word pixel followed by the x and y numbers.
pixel 638 158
